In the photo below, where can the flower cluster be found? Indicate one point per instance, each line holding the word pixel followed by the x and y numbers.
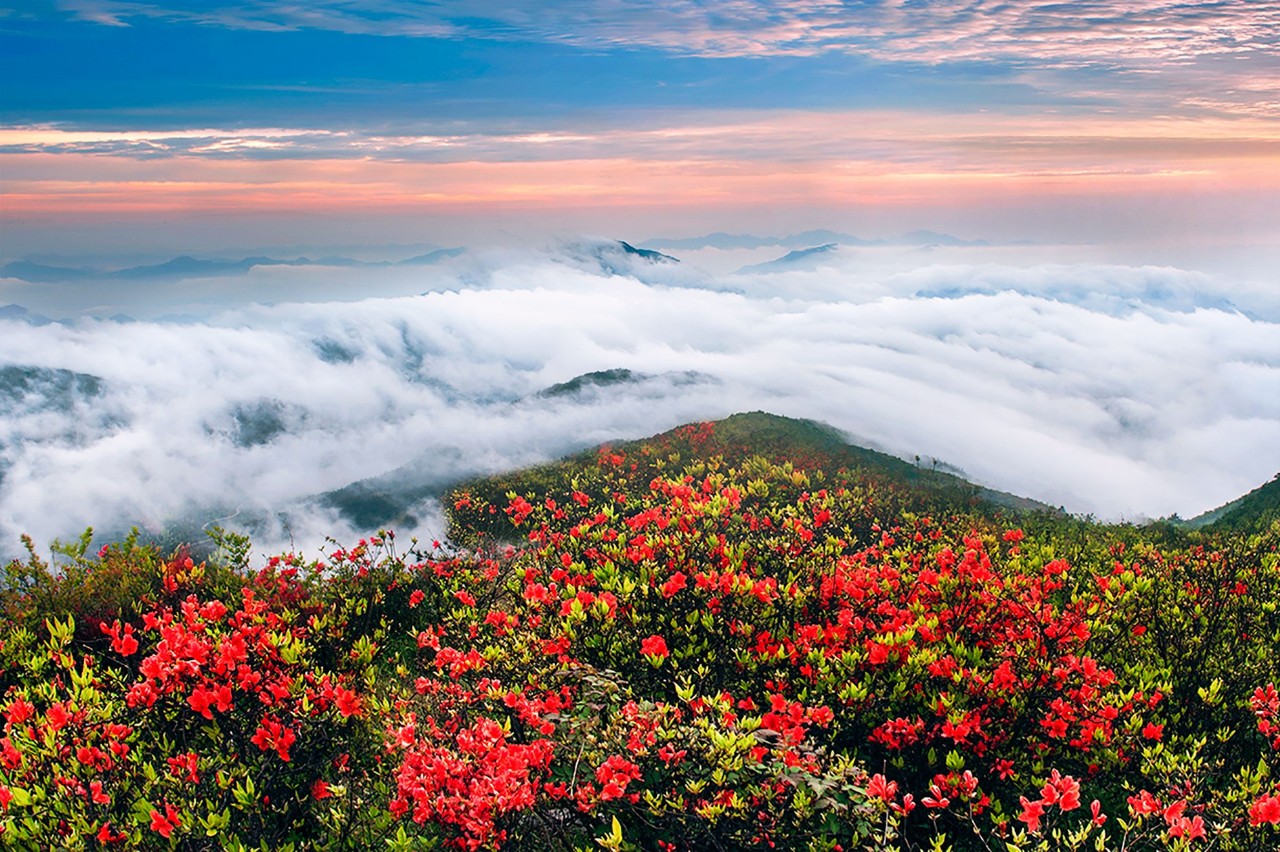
pixel 685 643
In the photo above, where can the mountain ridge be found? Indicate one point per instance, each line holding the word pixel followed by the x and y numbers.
pixel 187 266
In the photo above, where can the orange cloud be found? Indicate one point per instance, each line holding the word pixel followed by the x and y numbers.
pixel 723 161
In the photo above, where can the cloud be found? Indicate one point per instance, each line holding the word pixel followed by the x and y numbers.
pixel 1102 178
pixel 1112 32
pixel 1105 389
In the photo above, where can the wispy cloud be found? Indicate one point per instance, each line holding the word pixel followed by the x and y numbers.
pixel 1112 32
pixel 960 141
pixel 1191 57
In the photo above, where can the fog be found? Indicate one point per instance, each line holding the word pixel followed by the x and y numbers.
pixel 1122 391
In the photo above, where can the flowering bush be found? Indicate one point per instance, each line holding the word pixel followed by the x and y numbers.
pixel 692 642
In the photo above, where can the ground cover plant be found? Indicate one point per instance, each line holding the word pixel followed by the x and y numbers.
pixel 733 636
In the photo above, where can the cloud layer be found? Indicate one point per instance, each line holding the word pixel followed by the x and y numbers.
pixel 1109 31
pixel 1119 391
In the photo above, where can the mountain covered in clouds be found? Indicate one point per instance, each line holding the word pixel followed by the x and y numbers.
pixel 304 402
pixel 613 257
pixel 799 259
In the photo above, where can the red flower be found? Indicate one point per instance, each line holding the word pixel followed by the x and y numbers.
pixel 20 711
pixel 654 646
pixel 614 775
pixel 272 735
pixel 936 799
pixel 320 790
pixel 1062 790
pixel 126 644
pixel 5 797
pixel 185 763
pixel 1265 809
pixel 1031 813
pixel 57 716
pixel 1174 812
pixel 1143 804
pixel 348 702
pixel 880 789
pixel 1152 731
pixel 1188 828
pixel 96 794
pixel 164 825
pixel 416 598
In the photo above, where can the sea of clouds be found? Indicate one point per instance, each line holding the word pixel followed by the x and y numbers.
pixel 1126 392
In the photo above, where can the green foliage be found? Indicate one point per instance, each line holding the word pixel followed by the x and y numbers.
pixel 742 636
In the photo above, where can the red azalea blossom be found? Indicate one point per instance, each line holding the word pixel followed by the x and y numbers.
pixel 1062 790
pixel 106 835
pixel 348 702
pixel 654 646
pixel 273 735
pixel 1144 804
pixel 166 823
pixel 185 764
pixel 1265 809
pixel 20 710
pixel 1032 812
pixel 1190 828
pixel 880 789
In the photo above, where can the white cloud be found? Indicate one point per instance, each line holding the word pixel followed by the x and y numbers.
pixel 1106 389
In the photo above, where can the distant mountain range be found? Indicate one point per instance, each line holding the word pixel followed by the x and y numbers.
pixel 792 260
pixel 721 240
pixel 611 254
pixel 190 267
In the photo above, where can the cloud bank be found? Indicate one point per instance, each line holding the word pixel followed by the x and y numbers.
pixel 1113 390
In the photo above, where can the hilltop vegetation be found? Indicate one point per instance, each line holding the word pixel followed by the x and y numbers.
pixel 731 636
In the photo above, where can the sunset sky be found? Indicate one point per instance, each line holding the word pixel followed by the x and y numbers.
pixel 132 124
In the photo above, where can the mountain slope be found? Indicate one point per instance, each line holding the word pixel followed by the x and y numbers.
pixel 805 445
pixel 1252 511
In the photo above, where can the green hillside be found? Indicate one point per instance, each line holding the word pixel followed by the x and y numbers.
pixel 805 444
pixel 1253 511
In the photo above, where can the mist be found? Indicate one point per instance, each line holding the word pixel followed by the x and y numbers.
pixel 1121 391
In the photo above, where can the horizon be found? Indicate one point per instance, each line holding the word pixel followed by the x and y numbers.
pixel 179 125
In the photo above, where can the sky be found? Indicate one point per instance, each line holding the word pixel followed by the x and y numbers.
pixel 136 124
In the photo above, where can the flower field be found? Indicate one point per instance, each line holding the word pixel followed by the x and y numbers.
pixel 719 638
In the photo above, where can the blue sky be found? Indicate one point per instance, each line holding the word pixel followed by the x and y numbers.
pixel 1025 118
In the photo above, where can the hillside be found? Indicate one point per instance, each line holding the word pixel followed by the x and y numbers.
pixel 737 635
pixel 1253 511
pixel 805 444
